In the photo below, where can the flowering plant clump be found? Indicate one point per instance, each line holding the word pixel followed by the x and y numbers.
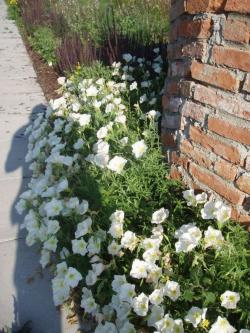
pixel 123 241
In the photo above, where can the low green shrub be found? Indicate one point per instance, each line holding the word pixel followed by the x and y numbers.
pixel 44 43
pixel 127 244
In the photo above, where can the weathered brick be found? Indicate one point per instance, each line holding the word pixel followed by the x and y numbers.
pixel 201 6
pixel 218 77
pixel 177 9
pixel 247 163
pixel 175 173
pixel 238 6
pixel 168 139
pixel 195 50
pixel 200 157
pixel 165 102
pixel 179 160
pixel 225 169
pixel 217 184
pixel 232 104
pixel 180 68
pixel 243 183
pixel 229 130
pixel 172 87
pixel 188 28
pixel 246 86
pixel 231 57
pixel 171 121
pixel 227 151
pixel 236 30
pixel 186 88
pixel 194 111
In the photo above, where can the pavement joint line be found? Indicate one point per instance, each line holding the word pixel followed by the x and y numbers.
pixel 11 240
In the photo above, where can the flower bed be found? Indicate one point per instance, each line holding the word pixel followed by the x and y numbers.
pixel 125 244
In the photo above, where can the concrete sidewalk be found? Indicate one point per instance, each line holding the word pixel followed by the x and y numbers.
pixel 24 294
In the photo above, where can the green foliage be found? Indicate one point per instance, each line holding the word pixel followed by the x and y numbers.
pixel 44 43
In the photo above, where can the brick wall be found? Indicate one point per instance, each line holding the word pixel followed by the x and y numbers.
pixel 206 101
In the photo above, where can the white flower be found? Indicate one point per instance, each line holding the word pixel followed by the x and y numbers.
pixel 222 326
pixel 106 328
pixel 101 160
pixel 101 147
pixel 140 305
pixel 129 240
pixel 116 229
pixel 160 216
pixel 117 282
pixel 127 292
pixel 143 99
pixel 89 305
pixel 53 208
pixel 156 297
pixel 51 244
pixel 61 80
pixel 133 86
pixel 188 238
pixel 53 226
pixel 102 132
pixel 121 118
pixel 210 209
pixel 157 313
pixel 127 57
pixel 83 228
pixel 223 214
pixel 172 290
pixel 151 243
pixel 124 140
pixel 244 331
pixel 178 326
pixel 79 144
pixel 98 268
pixel 92 91
pixel 229 299
pixel 154 273
pixel 213 238
pixel 94 245
pixel 61 269
pixel 114 248
pixel 73 277
pixel 117 164
pixel 139 148
pixel 166 324
pixel 139 269
pixel 195 316
pixel 156 50
pixel 79 246
pixel 91 278
pixel 151 255
pixel 189 196
pixel 127 328
pixel 152 114
pixel 201 198
pixel 45 258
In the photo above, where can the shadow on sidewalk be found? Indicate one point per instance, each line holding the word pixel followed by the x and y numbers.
pixel 32 300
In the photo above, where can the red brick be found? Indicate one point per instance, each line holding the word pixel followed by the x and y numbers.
pixel 186 88
pixel 238 6
pixel 222 149
pixel 199 156
pixel 165 102
pixel 232 104
pixel 218 77
pixel 194 111
pixel 229 130
pixel 217 184
pixel 236 30
pixel 175 173
pixel 180 68
pixel 179 160
pixel 246 86
pixel 225 169
pixel 168 139
pixel 195 50
pixel 171 121
pixel 177 9
pixel 188 28
pixel 231 57
pixel 201 6
pixel 173 87
pixel 243 183
pixel 174 51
